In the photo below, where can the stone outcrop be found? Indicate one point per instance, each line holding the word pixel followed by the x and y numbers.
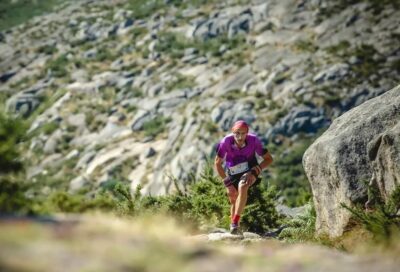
pixel 338 164
pixel 384 154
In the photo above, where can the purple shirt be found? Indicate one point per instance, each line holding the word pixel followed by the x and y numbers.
pixel 233 155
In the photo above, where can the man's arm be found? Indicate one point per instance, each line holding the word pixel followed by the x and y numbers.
pixel 218 165
pixel 267 160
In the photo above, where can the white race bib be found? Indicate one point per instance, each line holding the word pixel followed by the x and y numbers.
pixel 239 168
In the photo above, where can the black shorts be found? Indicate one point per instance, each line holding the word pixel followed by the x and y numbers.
pixel 235 179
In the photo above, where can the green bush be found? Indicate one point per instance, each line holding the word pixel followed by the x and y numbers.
pixel 376 6
pixel 155 126
pixel 306 46
pixel 145 8
pixel 260 214
pixel 383 221
pixel 12 131
pixel 181 82
pixel 288 173
pixel 174 45
pixel 301 228
pixel 13 12
pixel 13 199
pixel 205 203
pixel 47 49
pixel 58 66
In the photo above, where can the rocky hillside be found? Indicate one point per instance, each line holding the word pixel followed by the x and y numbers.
pixel 141 91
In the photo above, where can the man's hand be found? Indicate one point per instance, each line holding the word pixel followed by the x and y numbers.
pixel 248 178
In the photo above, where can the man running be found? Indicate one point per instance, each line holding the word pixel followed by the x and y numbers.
pixel 239 150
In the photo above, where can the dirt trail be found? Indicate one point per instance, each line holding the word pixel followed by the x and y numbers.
pixel 107 243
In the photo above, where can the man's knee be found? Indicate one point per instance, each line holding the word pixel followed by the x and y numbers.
pixel 232 194
pixel 243 187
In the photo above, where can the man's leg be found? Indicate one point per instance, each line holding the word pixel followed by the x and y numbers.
pixel 241 200
pixel 232 195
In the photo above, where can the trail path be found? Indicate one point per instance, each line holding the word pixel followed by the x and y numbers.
pixel 107 243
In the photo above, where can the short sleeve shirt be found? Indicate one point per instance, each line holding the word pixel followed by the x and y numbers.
pixel 234 155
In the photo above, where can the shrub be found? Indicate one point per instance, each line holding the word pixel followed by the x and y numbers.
pixel 306 46
pixel 16 12
pixel 145 8
pixel 383 222
pixel 181 82
pixel 260 214
pixel 206 204
pixel 13 199
pixel 155 126
pixel 302 228
pixel 58 66
pixel 12 131
pixel 288 173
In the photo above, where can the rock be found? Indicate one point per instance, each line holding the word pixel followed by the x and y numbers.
pixel 77 120
pixel 234 82
pixel 90 54
pixel 77 183
pixel 23 104
pixel 359 95
pixel 139 119
pixel 80 75
pixel 337 163
pixel 384 155
pixel 85 159
pixel 149 152
pixel 299 119
pixel 226 113
pixel 2 37
pixel 223 236
pixel 241 24
pixel 51 144
pixel 73 154
pixel 117 64
pixel 228 22
pixel 191 51
pixel 154 90
pixel 127 23
pixel 336 72
pixel 85 87
pixel 291 212
pixel 6 76
pixel 124 82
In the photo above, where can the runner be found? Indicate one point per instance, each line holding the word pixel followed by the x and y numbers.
pixel 238 150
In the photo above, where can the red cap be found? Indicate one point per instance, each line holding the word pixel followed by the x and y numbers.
pixel 240 124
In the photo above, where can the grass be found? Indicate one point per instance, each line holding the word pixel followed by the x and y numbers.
pixel 306 46
pixel 145 8
pixel 13 13
pixel 174 45
pixel 181 82
pixel 155 126
pixel 58 66
pixel 375 6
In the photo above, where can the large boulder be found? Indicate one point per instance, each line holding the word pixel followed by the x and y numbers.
pixel 338 166
pixel 384 154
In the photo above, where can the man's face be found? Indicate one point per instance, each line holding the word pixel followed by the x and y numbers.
pixel 240 136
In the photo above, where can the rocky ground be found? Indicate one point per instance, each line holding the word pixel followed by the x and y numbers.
pixel 105 243
pixel 115 95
